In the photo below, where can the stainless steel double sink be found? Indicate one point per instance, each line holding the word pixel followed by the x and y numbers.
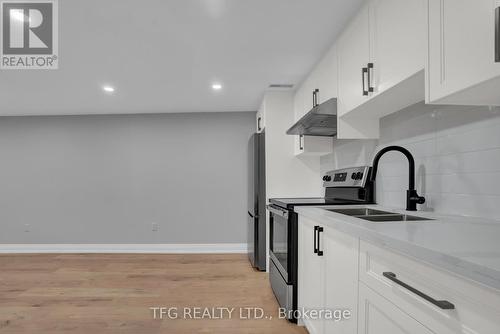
pixel 374 215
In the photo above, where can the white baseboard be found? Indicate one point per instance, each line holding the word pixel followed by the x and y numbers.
pixel 124 248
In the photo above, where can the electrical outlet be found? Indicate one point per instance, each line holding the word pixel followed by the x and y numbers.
pixel 26 227
pixel 155 227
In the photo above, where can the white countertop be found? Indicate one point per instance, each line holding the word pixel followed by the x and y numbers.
pixel 469 247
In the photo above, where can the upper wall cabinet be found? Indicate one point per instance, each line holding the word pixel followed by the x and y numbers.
pixel 325 76
pixel 322 82
pixel 380 64
pixel 464 61
pixel 397 42
pixel 353 58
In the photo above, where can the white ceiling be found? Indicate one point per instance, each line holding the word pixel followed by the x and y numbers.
pixel 164 55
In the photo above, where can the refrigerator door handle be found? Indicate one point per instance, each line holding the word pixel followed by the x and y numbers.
pixel 252 216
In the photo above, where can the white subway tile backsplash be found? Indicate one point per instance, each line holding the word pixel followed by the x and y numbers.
pixel 468 205
pixel 457 158
pixel 393 183
pixel 470 162
pixel 392 199
pixel 468 183
pixel 457 119
pixel 473 140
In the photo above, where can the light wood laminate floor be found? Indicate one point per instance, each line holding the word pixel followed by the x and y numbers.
pixel 113 293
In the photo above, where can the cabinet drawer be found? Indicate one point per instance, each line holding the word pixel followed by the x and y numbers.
pixel 377 315
pixel 476 308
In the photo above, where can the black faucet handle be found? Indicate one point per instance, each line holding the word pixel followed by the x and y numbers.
pixel 419 199
pixel 412 199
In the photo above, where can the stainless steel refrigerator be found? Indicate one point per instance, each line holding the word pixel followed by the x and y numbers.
pixel 256 224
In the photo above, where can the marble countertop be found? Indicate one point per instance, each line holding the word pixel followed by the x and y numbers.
pixel 467 246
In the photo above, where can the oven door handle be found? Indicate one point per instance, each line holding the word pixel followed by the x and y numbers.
pixel 278 211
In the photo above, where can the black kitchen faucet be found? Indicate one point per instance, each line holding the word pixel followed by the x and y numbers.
pixel 412 198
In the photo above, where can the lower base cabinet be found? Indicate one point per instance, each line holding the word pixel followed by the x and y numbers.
pixel 442 302
pixel 328 278
pixel 311 282
pixel 377 315
pixel 385 291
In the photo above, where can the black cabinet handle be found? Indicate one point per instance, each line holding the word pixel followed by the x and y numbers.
pixel 442 304
pixel 370 70
pixel 258 123
pixel 364 71
pixel 301 142
pixel 497 35
pixel 320 252
pixel 315 239
pixel 316 93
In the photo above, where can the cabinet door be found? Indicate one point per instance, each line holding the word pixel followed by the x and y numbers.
pixel 377 315
pixel 311 276
pixel 397 41
pixel 298 104
pixel 303 99
pixel 353 56
pixel 326 76
pixel 341 279
pixel 462 50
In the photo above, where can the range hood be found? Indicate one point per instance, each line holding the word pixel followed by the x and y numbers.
pixel 319 121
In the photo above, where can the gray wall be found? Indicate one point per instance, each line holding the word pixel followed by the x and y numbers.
pixel 106 179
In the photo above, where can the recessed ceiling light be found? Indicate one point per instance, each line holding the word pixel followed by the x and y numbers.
pixel 216 86
pixel 108 89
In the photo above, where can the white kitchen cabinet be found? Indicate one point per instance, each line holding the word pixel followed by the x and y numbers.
pixel 353 56
pixel 377 315
pixel 325 76
pixel 313 146
pixel 461 67
pixel 341 279
pixel 380 64
pixel 387 291
pixel 303 98
pixel 322 78
pixel 327 280
pixel 397 42
pixel 311 293
pixel 476 309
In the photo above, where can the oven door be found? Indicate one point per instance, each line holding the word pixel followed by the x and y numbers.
pixel 283 258
pixel 280 240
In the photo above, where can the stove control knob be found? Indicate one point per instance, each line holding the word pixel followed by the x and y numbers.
pixel 359 176
pixel 353 176
pixel 327 178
